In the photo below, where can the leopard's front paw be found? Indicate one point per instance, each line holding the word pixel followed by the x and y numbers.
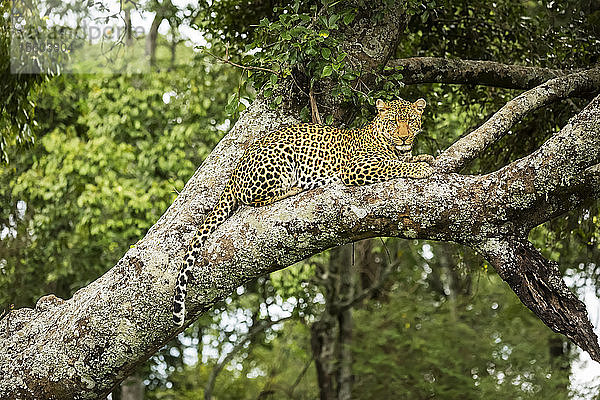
pixel 429 159
pixel 422 170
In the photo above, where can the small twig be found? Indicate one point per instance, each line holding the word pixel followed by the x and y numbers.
pixel 386 249
pixel 226 60
pixel 298 86
pixel 299 378
pixel 356 89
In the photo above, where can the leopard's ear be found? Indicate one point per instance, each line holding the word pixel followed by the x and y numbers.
pixel 419 105
pixel 381 107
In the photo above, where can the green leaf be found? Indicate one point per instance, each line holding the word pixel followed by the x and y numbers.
pixel 232 104
pixel 349 17
pixel 327 70
pixel 332 20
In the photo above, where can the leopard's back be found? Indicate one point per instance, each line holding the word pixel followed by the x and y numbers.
pixel 301 155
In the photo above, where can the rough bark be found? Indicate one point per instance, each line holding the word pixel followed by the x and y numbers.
pixel 323 345
pixel 331 336
pixel 538 283
pixel 490 73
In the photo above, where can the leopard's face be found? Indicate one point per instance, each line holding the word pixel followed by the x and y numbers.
pixel 399 121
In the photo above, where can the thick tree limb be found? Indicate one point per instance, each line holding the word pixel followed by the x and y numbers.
pixel 474 72
pixel 538 283
pixel 469 147
pixel 82 347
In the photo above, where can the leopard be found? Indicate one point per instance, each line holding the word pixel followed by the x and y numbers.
pixel 304 156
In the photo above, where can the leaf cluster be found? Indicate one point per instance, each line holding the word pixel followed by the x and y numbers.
pixel 112 154
pixel 18 94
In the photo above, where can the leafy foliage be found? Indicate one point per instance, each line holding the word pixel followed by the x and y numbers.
pixel 113 154
pixel 17 104
pixel 300 45
pixel 463 349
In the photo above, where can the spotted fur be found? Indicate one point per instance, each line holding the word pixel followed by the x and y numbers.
pixel 304 156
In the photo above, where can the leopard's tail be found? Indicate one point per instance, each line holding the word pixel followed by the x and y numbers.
pixel 226 205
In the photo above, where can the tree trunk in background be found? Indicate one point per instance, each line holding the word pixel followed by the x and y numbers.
pixel 116 393
pixel 174 43
pixel 128 31
pixel 323 343
pixel 332 334
pixel 151 38
pixel 370 264
pixel 347 279
pixel 561 366
pixel 132 388
pixel 345 377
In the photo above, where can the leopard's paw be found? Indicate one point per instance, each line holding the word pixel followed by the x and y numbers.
pixel 429 159
pixel 422 170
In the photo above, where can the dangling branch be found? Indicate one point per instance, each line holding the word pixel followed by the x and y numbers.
pixel 314 110
pixel 539 284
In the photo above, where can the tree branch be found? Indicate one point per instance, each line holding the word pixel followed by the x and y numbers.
pixel 300 376
pixel 469 147
pixel 474 72
pixel 82 347
pixel 564 165
pixel 538 283
pixel 226 60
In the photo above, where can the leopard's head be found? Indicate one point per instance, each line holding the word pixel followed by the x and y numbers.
pixel 399 121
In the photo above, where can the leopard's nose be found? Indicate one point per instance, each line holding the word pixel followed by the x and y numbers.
pixel 402 129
